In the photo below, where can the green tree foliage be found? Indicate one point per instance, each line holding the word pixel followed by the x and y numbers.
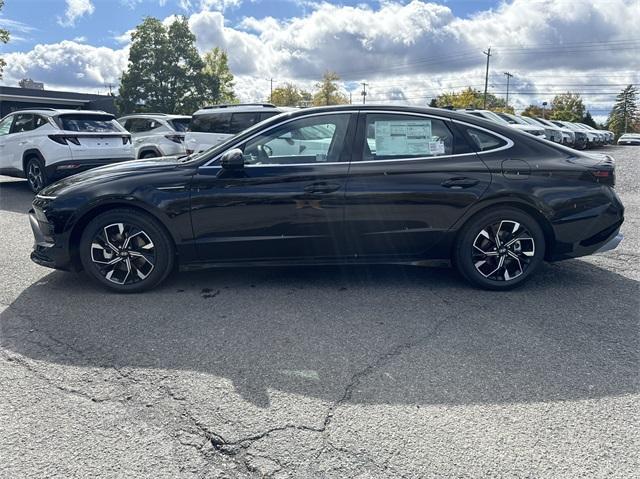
pixel 567 107
pixel 217 81
pixel 289 95
pixel 328 91
pixel 534 111
pixel 625 112
pixel 4 38
pixel 165 71
pixel 472 98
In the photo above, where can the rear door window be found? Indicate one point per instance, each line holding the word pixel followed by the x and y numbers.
pixel 211 123
pixel 22 123
pixel 242 121
pixel 267 114
pixel 83 122
pixel 397 136
pixel 180 124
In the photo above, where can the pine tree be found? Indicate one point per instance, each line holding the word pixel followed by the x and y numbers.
pixel 624 116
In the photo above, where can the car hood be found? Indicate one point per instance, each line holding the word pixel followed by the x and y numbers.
pixel 107 173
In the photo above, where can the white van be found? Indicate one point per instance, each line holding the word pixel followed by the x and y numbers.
pixel 214 124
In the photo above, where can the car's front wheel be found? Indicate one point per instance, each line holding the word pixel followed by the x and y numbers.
pixel 126 250
pixel 499 249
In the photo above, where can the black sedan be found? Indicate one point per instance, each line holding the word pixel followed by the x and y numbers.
pixel 346 184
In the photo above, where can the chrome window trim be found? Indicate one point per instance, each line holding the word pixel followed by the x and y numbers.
pixel 509 142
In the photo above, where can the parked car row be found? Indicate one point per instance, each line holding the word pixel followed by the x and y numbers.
pixel 575 135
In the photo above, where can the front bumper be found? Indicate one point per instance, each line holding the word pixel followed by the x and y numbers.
pixel 611 244
pixel 46 251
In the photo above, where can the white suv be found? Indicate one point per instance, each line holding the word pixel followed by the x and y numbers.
pixel 494 117
pixel 214 124
pixel 45 144
pixel 156 134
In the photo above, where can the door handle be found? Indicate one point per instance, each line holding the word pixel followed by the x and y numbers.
pixel 459 183
pixel 321 188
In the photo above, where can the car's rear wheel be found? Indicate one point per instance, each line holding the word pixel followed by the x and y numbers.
pixel 499 249
pixel 36 174
pixel 127 251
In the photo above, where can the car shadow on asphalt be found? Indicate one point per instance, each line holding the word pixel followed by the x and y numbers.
pixel 15 196
pixel 374 335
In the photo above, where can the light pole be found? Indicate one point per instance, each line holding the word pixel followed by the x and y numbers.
pixel 544 104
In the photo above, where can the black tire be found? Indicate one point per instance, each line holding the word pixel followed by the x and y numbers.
pixel 516 253
pixel 35 174
pixel 126 266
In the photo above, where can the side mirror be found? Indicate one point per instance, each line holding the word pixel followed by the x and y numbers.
pixel 233 159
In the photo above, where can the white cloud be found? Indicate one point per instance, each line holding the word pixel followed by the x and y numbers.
pixel 75 10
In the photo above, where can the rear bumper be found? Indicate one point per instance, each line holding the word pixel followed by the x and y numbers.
pixel 61 169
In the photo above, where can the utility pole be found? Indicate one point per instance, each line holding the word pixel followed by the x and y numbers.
pixel 271 90
pixel 509 75
pixel 350 102
pixel 486 77
pixel 364 92
pixel 624 106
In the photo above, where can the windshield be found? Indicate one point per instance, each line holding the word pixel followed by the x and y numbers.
pixel 180 124
pixel 492 116
pixel 530 121
pixel 508 118
pixel 87 122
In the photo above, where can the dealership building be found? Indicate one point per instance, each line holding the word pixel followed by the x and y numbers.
pixel 14 98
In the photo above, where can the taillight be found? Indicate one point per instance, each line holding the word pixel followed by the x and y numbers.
pixel 175 138
pixel 605 176
pixel 126 140
pixel 65 139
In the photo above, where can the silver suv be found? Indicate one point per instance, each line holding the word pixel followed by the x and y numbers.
pixel 156 134
pixel 214 124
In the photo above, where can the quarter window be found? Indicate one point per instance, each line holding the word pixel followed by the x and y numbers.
pixel 485 141
pixel 318 139
pixel 39 121
pixel 392 136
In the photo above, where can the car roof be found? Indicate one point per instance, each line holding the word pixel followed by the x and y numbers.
pixel 240 107
pixel 56 111
pixel 165 116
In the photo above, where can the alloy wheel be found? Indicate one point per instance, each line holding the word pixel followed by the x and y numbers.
pixel 503 250
pixel 123 253
pixel 35 177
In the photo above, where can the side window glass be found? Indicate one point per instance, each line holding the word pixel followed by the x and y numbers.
pixel 394 136
pixel 22 123
pixel 216 123
pixel 242 121
pixel 318 139
pixel 485 141
pixel 268 114
pixel 39 121
pixel 5 125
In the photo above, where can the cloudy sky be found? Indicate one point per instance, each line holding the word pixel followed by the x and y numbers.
pixel 407 51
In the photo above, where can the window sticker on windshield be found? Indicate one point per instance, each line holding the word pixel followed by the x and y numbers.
pixel 403 137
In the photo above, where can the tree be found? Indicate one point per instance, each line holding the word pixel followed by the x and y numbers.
pixel 4 38
pixel 534 111
pixel 217 78
pixel 471 98
pixel 588 120
pixel 165 72
pixel 624 116
pixel 328 91
pixel 289 95
pixel 567 107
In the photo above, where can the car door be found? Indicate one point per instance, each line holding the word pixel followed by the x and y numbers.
pixel 413 176
pixel 19 138
pixel 6 156
pixel 282 204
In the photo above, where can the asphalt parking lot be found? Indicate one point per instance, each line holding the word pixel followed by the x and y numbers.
pixel 380 372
